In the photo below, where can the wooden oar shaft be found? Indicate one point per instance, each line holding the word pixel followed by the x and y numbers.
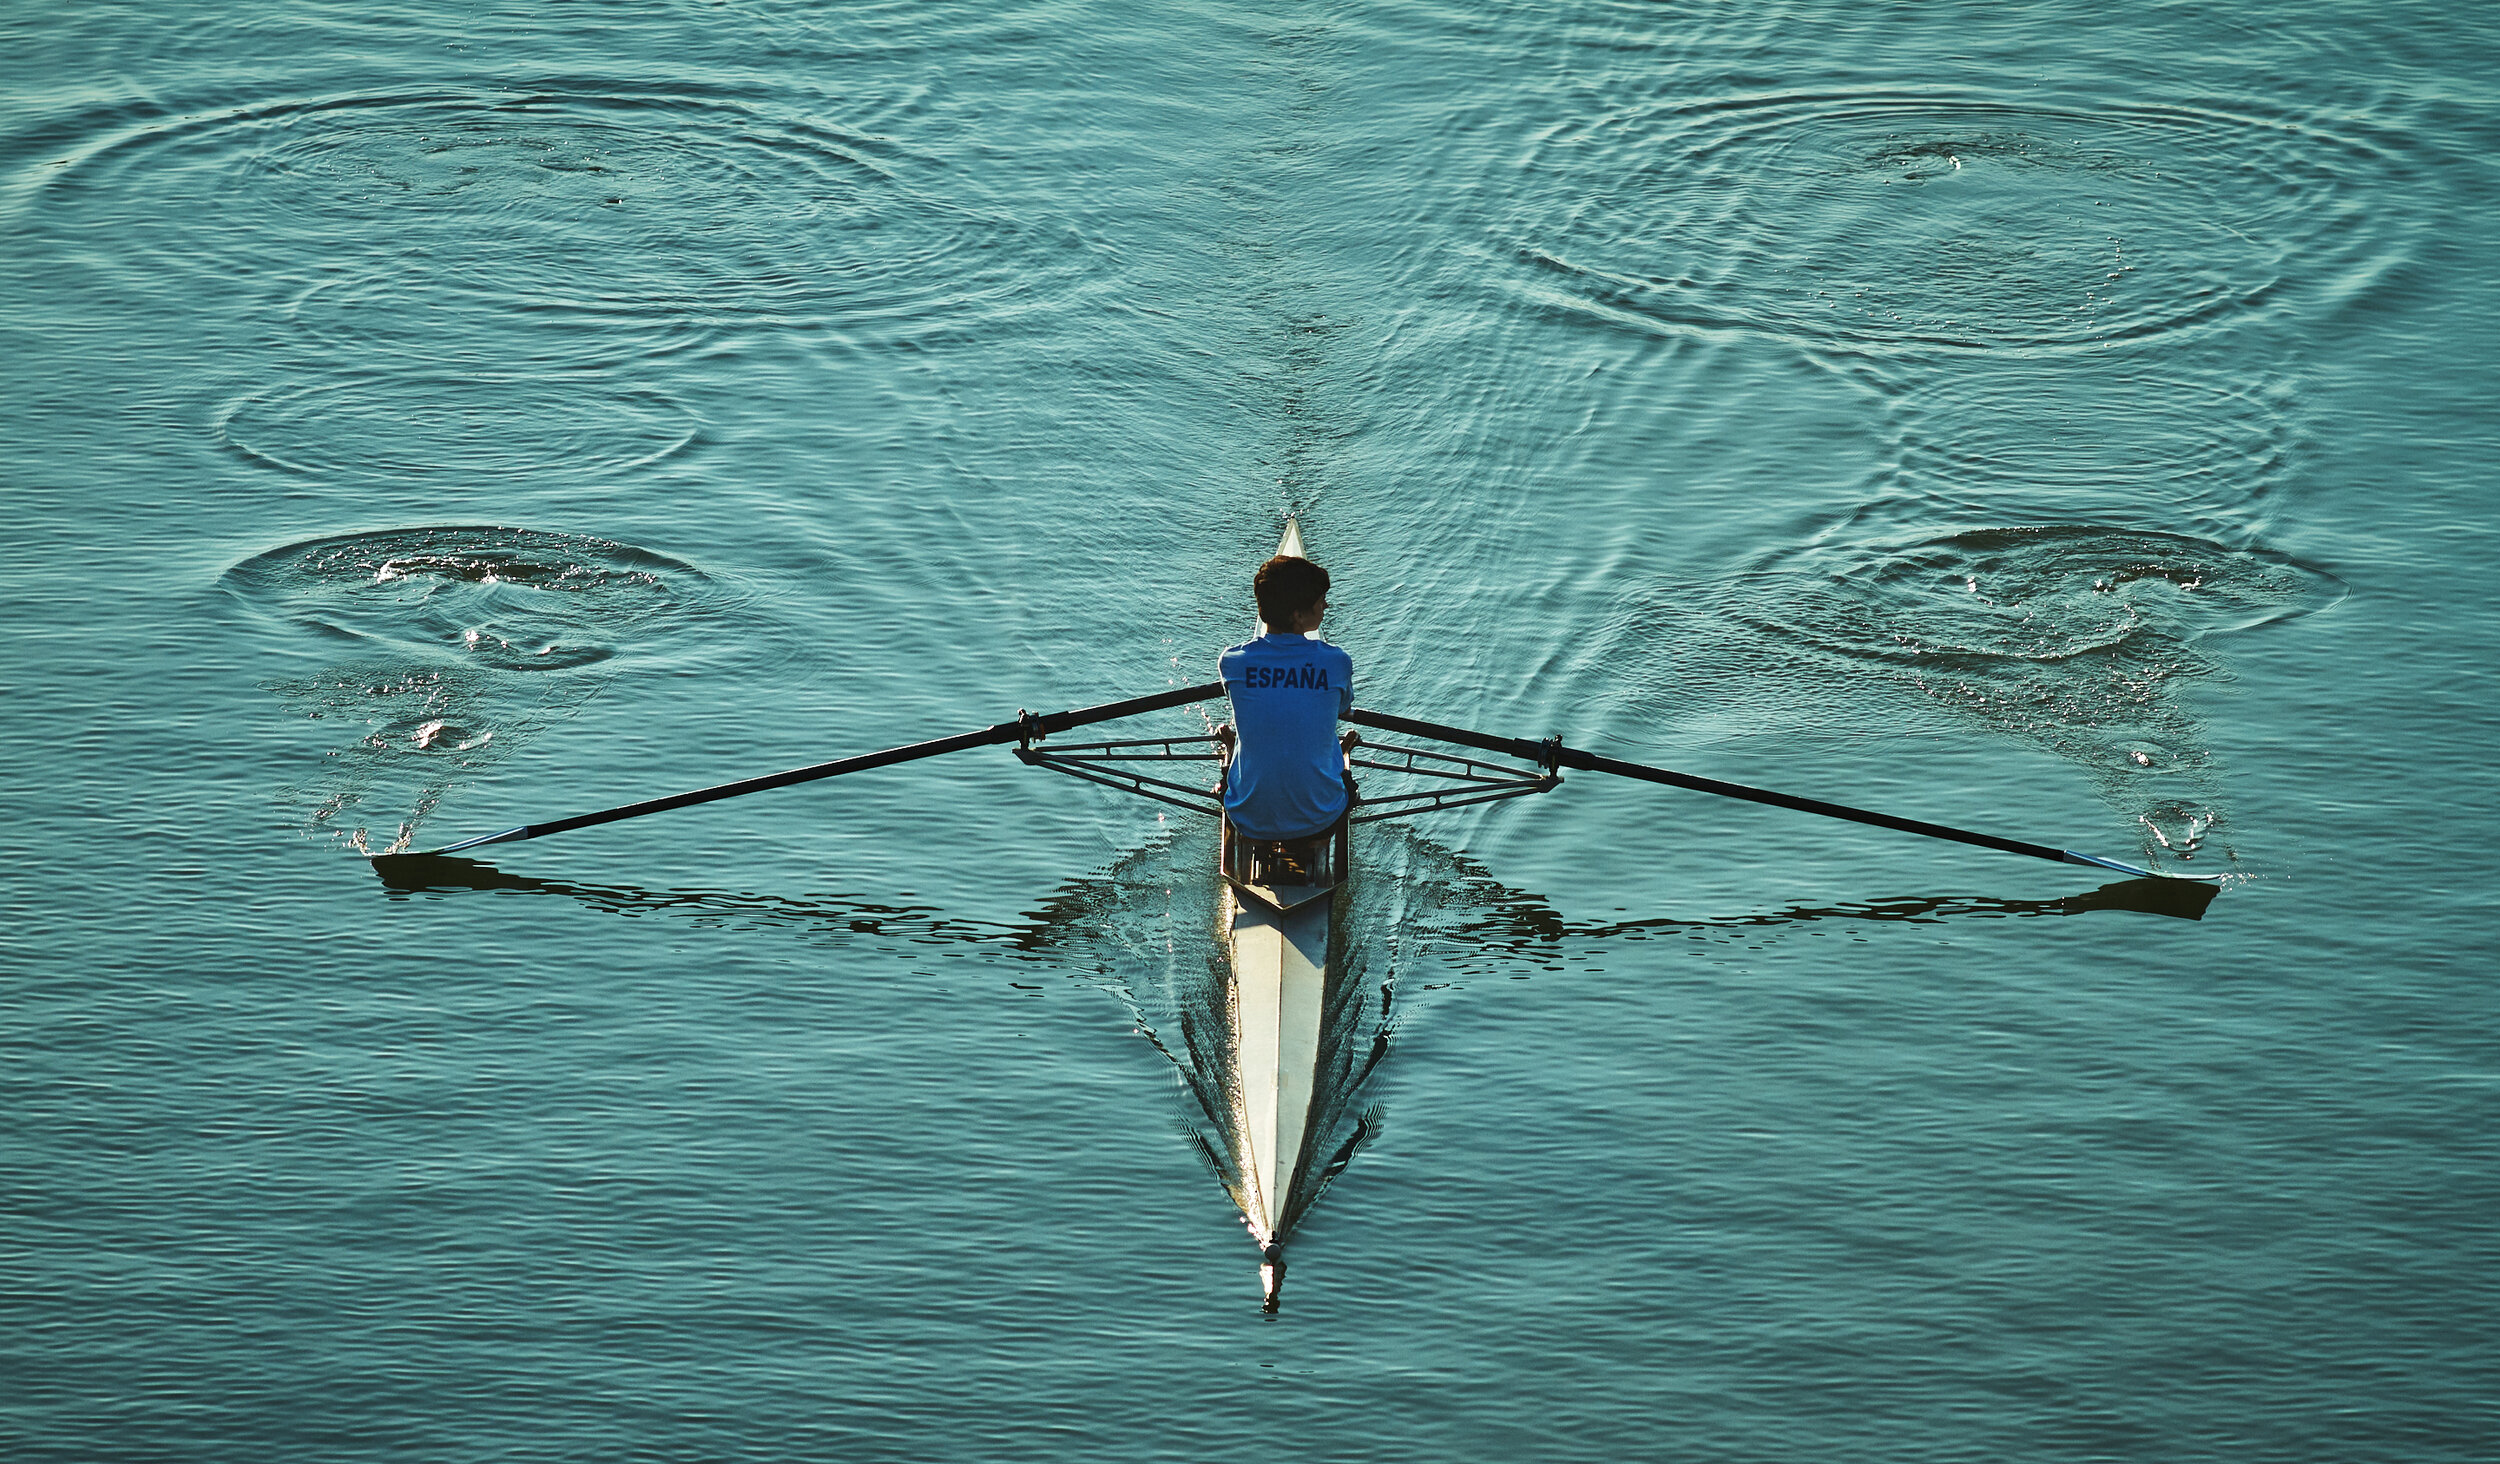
pixel 1572 757
pixel 987 737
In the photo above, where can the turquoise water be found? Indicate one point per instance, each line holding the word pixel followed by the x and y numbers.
pixel 2062 421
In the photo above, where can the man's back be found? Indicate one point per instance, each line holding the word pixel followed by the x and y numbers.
pixel 1287 776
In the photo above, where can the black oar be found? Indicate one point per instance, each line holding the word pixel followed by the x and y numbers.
pixel 1556 755
pixel 1026 725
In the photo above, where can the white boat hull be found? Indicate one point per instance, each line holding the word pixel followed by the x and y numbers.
pixel 1279 996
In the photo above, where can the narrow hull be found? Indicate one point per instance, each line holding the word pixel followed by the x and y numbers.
pixel 1279 995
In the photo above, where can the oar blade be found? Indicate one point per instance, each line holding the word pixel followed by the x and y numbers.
pixel 409 873
pixel 2181 899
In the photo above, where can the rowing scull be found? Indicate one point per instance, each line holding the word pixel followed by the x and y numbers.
pixel 1277 914
pixel 1277 940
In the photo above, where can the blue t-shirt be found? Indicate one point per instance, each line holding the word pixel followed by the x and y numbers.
pixel 1288 777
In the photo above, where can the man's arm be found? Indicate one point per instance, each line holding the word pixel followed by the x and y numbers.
pixel 1345 703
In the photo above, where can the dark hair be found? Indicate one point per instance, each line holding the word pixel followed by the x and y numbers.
pixel 1286 587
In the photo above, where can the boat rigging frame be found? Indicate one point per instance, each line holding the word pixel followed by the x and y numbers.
pixel 1448 780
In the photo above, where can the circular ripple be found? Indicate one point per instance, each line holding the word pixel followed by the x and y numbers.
pixel 2018 598
pixel 506 599
pixel 2096 446
pixel 483 310
pixel 586 202
pixel 454 645
pixel 2075 638
pixel 419 427
pixel 1895 220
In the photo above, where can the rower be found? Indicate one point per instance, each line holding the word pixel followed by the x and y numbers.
pixel 1286 781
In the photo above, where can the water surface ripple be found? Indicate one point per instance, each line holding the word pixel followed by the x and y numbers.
pixel 1883 220
pixel 2056 420
pixel 455 644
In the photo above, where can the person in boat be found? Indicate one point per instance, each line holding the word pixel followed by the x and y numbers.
pixel 1288 688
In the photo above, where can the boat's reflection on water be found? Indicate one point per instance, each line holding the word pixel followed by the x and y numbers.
pixel 1147 932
